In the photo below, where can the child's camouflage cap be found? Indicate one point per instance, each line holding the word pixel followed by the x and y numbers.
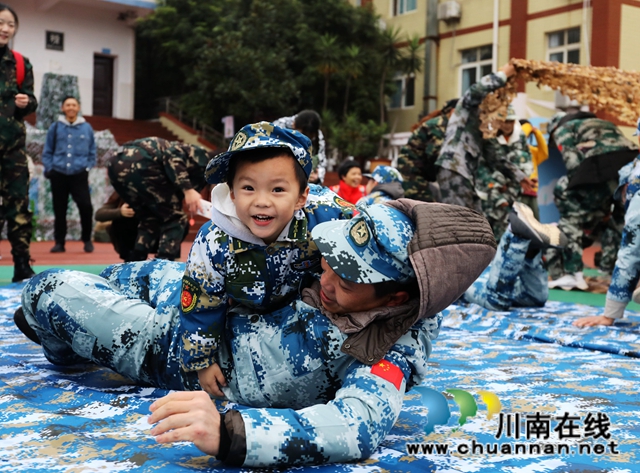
pixel 385 174
pixel 260 135
pixel 372 247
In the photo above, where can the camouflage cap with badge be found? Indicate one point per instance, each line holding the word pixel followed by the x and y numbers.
pixel 385 174
pixel 372 247
pixel 260 135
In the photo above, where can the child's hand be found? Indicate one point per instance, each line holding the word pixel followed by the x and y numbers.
pixel 187 416
pixel 593 321
pixel 211 379
pixel 127 211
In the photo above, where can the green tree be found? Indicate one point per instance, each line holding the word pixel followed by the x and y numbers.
pixel 396 57
pixel 262 60
pixel 352 68
pixel 329 55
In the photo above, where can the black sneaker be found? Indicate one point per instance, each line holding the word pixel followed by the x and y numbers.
pixel 58 248
pixel 21 322
pixel 88 247
pixel 542 235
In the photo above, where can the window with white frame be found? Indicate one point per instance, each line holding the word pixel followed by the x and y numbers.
pixel 564 46
pixel 400 7
pixel 405 93
pixel 476 62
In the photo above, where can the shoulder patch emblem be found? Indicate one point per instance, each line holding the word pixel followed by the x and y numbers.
pixel 359 233
pixel 343 203
pixel 389 372
pixel 190 293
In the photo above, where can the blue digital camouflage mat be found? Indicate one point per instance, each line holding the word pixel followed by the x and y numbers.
pixel 515 392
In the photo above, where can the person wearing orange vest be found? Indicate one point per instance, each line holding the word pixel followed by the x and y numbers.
pixel 17 101
pixel 539 154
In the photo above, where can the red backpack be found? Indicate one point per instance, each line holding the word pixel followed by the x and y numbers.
pixel 19 67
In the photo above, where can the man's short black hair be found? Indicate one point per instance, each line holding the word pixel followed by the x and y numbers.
pixel 391 287
pixel 346 165
pixel 70 97
pixel 262 154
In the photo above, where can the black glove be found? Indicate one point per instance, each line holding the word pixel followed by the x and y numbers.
pixel 48 173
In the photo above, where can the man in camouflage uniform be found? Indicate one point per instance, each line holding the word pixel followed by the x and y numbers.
pixel 462 147
pixel 17 101
pixel 385 183
pixel 305 367
pixel 517 276
pixel 498 192
pixel 154 176
pixel 593 150
pixel 417 159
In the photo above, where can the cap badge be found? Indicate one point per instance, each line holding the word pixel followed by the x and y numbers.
pixel 360 233
pixel 239 141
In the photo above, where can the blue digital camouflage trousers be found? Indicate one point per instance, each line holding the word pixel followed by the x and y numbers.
pixel 124 320
pixel 512 279
pixel 626 272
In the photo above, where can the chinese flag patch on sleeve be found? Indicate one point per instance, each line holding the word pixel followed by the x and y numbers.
pixel 388 371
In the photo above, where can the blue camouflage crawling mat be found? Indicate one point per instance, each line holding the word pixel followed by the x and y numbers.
pixel 527 373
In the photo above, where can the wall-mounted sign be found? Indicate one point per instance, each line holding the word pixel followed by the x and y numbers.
pixel 55 40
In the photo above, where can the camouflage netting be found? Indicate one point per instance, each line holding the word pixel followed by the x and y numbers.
pixel 602 88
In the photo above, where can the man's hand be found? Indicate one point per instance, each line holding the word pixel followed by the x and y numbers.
pixel 211 378
pixel 187 416
pixel 593 321
pixel 527 185
pixel 192 200
pixel 126 211
pixel 22 100
pixel 508 70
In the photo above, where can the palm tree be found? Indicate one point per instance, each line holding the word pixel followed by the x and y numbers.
pixel 397 59
pixel 352 68
pixel 329 56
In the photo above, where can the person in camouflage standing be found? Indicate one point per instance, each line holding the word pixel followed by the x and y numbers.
pixel 154 176
pixel 626 272
pixel 462 146
pixel 385 183
pixel 417 159
pixel 329 370
pixel 16 101
pixel 497 191
pixel 593 150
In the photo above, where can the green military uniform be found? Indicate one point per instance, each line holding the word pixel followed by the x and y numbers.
pixel 14 171
pixel 416 161
pixel 497 191
pixel 592 150
pixel 151 175
pixel 462 147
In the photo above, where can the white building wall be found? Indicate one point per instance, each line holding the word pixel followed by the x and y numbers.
pixel 89 27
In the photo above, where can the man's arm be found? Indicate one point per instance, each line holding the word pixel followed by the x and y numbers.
pixel 92 148
pixel 48 151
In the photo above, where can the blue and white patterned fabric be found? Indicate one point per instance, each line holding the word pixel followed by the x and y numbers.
pixel 87 418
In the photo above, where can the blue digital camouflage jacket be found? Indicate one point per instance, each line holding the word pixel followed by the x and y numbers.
pixel 313 403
